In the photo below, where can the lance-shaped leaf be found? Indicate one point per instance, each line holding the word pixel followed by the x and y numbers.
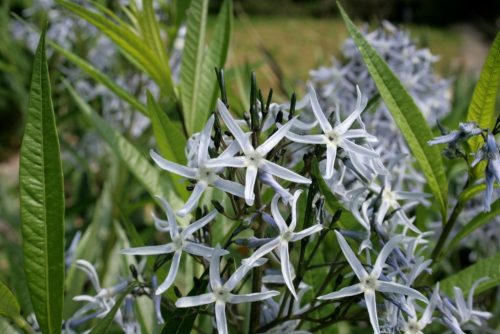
pixel 149 176
pixel 128 40
pixel 42 201
pixel 482 106
pixel 466 278
pixel 406 114
pixel 198 80
pixel 483 218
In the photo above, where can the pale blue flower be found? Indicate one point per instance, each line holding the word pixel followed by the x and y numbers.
pixel 253 159
pixel 181 242
pixel 221 293
pixel 337 136
pixel 370 282
pixel 204 175
pixel 286 235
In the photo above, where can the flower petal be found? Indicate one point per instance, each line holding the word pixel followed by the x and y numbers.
pixel 192 202
pixel 238 134
pixel 250 177
pixel 306 139
pixel 307 232
pixel 286 268
pixel 149 250
pixel 172 273
pixel 283 173
pixel 241 272
pixel 392 287
pixel 384 253
pixel 331 153
pixel 360 106
pixel 278 218
pixel 214 270
pixel 173 228
pixel 205 141
pixel 195 226
pixel 296 197
pixel 236 162
pixel 230 187
pixel 348 291
pixel 172 167
pixel 318 112
pixel 275 138
pixel 261 251
pixel 357 149
pixel 206 298
pixel 371 305
pixel 197 249
pixel 220 317
pixel 351 258
pixel 251 297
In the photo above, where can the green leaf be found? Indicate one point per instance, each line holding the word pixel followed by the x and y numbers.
pixel 149 176
pixel 101 78
pixel 406 114
pixel 151 32
pixel 169 137
pixel 42 201
pixel 192 61
pixel 198 80
pixel 482 106
pixel 478 221
pixel 464 279
pixel 105 323
pixel 215 57
pixel 129 42
pixel 9 307
pixel 181 321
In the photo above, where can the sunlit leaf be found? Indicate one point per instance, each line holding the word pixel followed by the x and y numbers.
pixel 466 278
pixel 42 201
pixel 406 114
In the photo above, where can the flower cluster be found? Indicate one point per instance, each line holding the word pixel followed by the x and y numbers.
pixel 257 159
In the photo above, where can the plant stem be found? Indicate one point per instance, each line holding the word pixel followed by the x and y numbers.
pixel 448 227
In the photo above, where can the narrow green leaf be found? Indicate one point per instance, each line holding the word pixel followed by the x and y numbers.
pixel 129 42
pixel 169 137
pixel 215 57
pixel 406 114
pixel 101 78
pixel 482 106
pixel 465 279
pixel 149 176
pixel 151 32
pixel 42 201
pixel 181 321
pixel 9 307
pixel 192 62
pixel 104 325
pixel 478 221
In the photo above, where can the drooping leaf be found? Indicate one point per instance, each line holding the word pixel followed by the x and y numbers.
pixel 482 106
pixel 406 114
pixel 478 221
pixel 169 137
pixel 105 323
pixel 148 175
pixel 151 32
pixel 129 42
pixel 101 78
pixel 42 201
pixel 466 278
pixel 9 307
pixel 198 80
